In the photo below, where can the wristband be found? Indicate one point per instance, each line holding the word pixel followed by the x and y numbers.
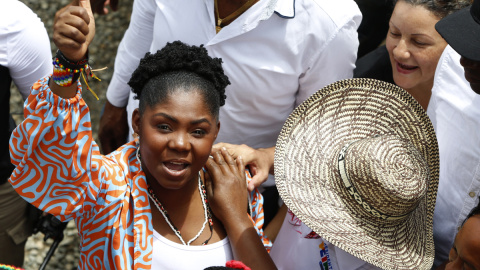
pixel 66 72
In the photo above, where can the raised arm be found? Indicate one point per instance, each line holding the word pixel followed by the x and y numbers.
pixel 74 30
pixel 57 162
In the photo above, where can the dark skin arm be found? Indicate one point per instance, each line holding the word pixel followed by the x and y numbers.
pixel 227 193
pixel 73 31
pixel 113 129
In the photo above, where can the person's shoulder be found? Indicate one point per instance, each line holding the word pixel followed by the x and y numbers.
pixel 16 13
pixel 449 69
pixel 125 156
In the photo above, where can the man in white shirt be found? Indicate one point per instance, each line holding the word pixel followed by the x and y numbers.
pixel 25 57
pixel 455 113
pixel 454 110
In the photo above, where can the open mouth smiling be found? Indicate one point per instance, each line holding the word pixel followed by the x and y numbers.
pixel 176 165
pixel 406 68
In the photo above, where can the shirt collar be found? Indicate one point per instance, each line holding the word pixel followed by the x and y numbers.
pixel 261 11
pixel 284 8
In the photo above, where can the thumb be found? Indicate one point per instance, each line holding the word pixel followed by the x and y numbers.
pixel 91 20
pixel 86 5
pixel 255 182
pixel 258 178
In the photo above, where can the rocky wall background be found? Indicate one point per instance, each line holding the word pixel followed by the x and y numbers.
pixel 109 31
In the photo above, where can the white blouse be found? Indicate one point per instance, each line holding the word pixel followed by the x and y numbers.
pixel 175 256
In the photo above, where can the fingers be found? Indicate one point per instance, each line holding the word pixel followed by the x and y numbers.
pixel 225 162
pixel 229 160
pixel 240 164
pixel 258 177
pixel 74 29
pixel 223 166
pixel 230 148
pixel 255 182
pixel 225 184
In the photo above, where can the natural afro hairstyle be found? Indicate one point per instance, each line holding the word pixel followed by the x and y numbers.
pixel 179 66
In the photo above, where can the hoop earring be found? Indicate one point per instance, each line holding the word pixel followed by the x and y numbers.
pixel 137 143
pixel 139 157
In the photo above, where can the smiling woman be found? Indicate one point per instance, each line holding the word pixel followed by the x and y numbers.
pixel 145 205
pixel 413 47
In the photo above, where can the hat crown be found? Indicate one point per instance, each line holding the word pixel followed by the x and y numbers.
pixel 389 175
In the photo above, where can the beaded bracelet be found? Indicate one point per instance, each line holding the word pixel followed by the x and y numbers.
pixel 9 267
pixel 66 72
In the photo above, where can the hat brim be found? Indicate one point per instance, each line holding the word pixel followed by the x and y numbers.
pixel 462 33
pixel 309 144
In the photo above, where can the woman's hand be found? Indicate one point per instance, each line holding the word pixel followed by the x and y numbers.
pixel 259 161
pixel 74 29
pixel 227 195
pixel 226 187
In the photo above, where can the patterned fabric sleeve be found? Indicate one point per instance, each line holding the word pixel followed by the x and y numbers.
pixel 57 162
pixel 256 208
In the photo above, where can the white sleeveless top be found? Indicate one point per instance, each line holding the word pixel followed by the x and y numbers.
pixel 171 255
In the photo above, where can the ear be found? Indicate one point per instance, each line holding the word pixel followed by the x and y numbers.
pixel 218 129
pixel 136 121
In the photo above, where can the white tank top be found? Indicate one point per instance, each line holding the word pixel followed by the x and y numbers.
pixel 171 255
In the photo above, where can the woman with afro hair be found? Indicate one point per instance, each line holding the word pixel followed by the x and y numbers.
pixel 162 201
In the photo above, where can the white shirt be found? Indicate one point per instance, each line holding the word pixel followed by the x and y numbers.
pixel 298 247
pixel 455 113
pixel 170 255
pixel 276 54
pixel 24 45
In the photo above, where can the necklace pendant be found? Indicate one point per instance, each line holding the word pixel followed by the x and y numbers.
pixel 218 27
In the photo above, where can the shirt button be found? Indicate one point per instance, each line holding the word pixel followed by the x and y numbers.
pixel 471 194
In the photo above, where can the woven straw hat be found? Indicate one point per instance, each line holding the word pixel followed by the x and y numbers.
pixel 358 163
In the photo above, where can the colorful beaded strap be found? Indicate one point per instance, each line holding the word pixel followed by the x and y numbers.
pixel 66 72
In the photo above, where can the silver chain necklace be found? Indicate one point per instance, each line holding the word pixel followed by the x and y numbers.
pixel 206 208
